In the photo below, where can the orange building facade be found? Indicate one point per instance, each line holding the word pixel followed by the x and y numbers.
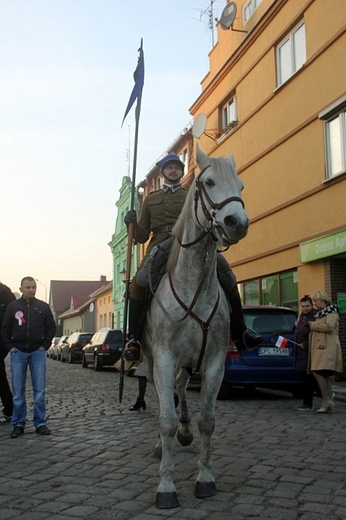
pixel 275 98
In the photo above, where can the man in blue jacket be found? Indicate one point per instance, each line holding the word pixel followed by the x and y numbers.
pixel 27 331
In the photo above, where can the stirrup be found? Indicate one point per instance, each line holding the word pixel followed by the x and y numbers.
pixel 132 350
pixel 249 340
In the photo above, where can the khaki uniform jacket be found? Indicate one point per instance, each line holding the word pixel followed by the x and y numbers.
pixel 325 349
pixel 160 208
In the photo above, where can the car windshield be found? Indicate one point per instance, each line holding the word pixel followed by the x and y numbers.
pixel 278 322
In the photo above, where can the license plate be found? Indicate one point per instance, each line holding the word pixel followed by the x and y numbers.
pixel 273 351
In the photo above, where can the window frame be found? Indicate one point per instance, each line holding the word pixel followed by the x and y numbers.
pixel 294 68
pixel 333 113
pixel 249 8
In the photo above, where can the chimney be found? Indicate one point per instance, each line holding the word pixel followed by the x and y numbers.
pixel 103 278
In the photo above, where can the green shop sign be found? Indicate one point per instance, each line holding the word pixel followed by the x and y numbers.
pixel 322 247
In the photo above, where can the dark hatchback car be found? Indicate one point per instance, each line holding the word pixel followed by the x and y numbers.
pixel 71 350
pixel 104 349
pixel 267 365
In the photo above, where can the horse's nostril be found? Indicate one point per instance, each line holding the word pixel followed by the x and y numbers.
pixel 231 221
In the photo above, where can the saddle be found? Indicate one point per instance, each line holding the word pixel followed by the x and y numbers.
pixel 155 267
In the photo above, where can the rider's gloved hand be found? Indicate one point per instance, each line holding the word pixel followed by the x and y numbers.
pixel 130 217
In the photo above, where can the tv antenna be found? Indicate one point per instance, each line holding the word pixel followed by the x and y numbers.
pixel 210 12
pixel 228 16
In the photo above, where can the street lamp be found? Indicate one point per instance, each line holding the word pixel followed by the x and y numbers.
pixel 123 275
pixel 45 288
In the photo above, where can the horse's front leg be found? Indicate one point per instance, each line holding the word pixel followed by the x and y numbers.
pixel 166 495
pixel 205 482
pixel 185 435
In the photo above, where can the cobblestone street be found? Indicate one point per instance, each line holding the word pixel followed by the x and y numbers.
pixel 269 460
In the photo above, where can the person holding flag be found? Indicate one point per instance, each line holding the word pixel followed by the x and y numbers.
pixel 301 338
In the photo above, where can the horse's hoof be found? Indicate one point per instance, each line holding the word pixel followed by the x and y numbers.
pixel 166 500
pixel 205 489
pixel 185 440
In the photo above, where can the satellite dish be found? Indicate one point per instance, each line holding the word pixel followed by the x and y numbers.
pixel 228 15
pixel 199 125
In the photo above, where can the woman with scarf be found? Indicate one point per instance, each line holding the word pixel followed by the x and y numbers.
pixel 325 349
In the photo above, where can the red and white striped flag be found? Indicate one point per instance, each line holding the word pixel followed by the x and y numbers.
pixel 281 342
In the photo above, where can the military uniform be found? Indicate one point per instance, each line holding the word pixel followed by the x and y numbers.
pixel 159 213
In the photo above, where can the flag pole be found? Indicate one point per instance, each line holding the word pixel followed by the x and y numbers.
pixel 136 94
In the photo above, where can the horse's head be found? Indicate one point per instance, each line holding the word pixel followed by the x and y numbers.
pixel 218 203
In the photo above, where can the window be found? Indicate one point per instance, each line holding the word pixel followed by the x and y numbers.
pixel 249 8
pixel 335 137
pixel 276 289
pixel 291 54
pixel 229 115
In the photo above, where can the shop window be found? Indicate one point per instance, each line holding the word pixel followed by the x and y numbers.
pixel 291 54
pixel 276 289
pixel 289 290
pixel 335 137
pixel 251 292
pixel 270 290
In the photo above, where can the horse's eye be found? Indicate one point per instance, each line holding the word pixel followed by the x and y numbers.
pixel 210 182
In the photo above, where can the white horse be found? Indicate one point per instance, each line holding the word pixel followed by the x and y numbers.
pixel 188 323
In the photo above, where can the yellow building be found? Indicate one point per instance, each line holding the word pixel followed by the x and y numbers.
pixel 275 98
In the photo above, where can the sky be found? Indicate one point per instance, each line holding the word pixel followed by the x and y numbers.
pixel 66 75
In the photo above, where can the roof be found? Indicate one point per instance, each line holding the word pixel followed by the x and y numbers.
pixel 105 288
pixel 62 290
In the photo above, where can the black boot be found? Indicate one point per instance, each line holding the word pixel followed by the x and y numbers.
pixel 140 403
pixel 243 337
pixel 137 309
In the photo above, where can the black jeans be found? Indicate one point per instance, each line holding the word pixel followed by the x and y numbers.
pixel 5 391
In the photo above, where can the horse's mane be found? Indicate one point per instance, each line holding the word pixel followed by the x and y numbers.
pixel 221 167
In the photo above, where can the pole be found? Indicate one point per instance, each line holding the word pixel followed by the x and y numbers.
pixel 130 229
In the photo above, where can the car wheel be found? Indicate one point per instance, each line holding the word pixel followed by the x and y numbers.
pixel 70 357
pixel 84 361
pixel 97 363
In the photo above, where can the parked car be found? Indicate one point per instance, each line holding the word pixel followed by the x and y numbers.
pixel 71 350
pixel 58 347
pixel 267 365
pixel 104 349
pixel 50 351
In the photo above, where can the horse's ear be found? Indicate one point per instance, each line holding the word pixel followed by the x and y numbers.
pixel 232 161
pixel 202 158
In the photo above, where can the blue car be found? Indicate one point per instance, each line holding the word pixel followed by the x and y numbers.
pixel 267 365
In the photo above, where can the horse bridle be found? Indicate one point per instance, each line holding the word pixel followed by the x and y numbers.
pixel 201 195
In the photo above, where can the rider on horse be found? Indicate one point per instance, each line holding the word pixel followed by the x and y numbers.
pixel 158 215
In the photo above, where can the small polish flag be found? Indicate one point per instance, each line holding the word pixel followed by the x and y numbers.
pixel 281 342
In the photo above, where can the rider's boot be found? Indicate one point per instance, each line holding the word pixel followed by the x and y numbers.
pixel 133 347
pixel 240 334
pixel 243 337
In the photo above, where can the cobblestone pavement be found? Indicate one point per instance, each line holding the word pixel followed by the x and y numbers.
pixel 270 461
